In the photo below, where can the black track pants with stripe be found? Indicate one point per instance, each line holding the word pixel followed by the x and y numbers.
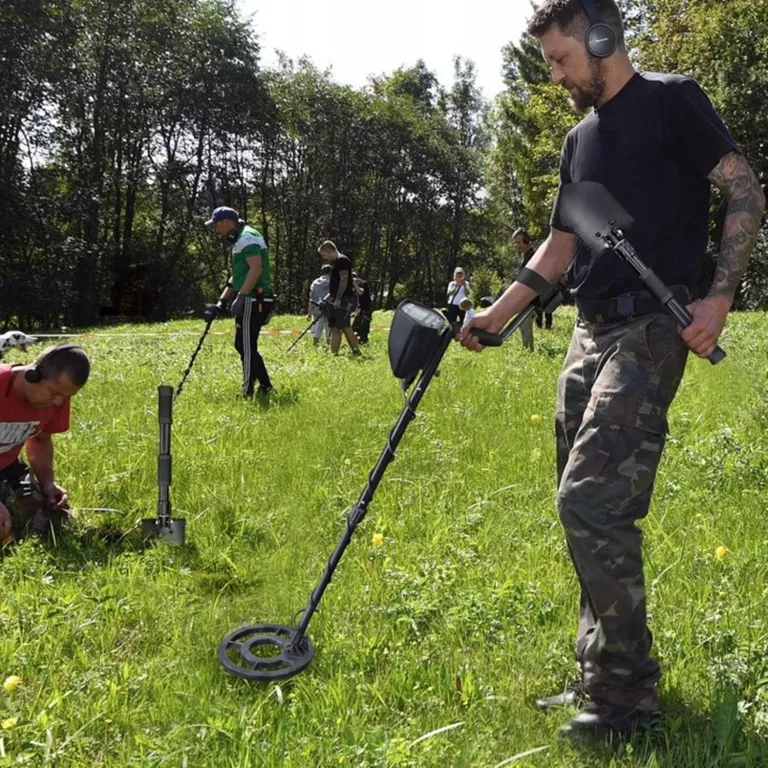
pixel 247 330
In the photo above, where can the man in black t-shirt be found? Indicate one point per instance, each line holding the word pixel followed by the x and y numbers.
pixel 343 297
pixel 657 144
pixel 362 322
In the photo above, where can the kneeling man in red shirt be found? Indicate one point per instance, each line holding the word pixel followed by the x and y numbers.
pixel 34 405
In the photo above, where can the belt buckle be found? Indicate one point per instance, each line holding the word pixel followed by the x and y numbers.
pixel 625 305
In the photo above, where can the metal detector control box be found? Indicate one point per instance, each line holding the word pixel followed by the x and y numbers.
pixel 413 338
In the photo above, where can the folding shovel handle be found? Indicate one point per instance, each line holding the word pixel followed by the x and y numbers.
pixel 658 288
pixel 165 404
pixel 684 318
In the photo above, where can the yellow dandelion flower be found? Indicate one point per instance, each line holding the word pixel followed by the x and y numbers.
pixel 721 552
pixel 377 539
pixel 11 683
pixel 10 723
pixel 535 418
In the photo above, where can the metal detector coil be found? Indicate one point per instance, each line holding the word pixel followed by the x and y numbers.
pixel 242 652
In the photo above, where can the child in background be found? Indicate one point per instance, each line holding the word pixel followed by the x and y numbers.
pixel 466 307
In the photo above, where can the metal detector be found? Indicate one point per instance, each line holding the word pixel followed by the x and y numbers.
pixel 590 210
pixel 208 325
pixel 418 340
pixel 164 526
pixel 323 305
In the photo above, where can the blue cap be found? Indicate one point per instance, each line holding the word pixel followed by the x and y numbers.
pixel 221 214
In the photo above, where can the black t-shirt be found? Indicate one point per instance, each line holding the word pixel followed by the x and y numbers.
pixel 652 145
pixel 364 299
pixel 525 257
pixel 341 263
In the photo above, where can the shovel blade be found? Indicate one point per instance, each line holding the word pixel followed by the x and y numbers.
pixel 172 531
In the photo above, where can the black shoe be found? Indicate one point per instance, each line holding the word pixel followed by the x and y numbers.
pixel 600 721
pixel 575 695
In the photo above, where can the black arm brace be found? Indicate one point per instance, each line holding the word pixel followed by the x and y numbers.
pixel 549 294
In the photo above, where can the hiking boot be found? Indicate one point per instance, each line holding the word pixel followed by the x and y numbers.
pixel 574 695
pixel 597 721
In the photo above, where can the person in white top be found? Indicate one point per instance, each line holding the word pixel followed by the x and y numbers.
pixel 317 292
pixel 458 290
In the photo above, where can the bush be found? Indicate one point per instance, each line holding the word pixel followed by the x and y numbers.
pixel 485 282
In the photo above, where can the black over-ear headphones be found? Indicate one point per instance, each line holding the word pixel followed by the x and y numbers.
pixel 34 375
pixel 601 40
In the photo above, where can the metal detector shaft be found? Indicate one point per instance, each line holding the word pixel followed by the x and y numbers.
pixel 656 286
pixel 304 332
pixel 549 304
pixel 194 355
pixel 497 339
pixel 358 512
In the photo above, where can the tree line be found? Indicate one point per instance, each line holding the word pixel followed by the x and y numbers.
pixel 123 122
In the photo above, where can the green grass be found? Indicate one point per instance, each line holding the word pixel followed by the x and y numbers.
pixel 464 614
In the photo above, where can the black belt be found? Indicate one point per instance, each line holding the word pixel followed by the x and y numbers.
pixel 626 306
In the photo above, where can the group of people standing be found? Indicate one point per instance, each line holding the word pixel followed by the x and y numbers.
pixel 339 294
pixel 339 299
pixel 339 302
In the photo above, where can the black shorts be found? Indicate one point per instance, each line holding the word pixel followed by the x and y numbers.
pixel 340 317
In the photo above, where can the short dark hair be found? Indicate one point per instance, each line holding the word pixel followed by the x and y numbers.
pixel 68 361
pixel 326 269
pixel 522 233
pixel 572 20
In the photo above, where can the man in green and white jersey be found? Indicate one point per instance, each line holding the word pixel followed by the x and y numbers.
pixel 251 287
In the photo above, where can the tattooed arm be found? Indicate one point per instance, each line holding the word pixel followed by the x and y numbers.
pixel 746 207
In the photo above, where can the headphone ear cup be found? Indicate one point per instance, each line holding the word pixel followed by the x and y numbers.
pixel 601 40
pixel 33 376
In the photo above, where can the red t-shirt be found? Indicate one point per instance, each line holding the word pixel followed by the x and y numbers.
pixel 19 421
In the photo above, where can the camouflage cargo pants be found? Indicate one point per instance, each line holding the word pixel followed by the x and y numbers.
pixel 617 384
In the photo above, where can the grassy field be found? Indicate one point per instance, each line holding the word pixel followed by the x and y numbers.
pixel 460 616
